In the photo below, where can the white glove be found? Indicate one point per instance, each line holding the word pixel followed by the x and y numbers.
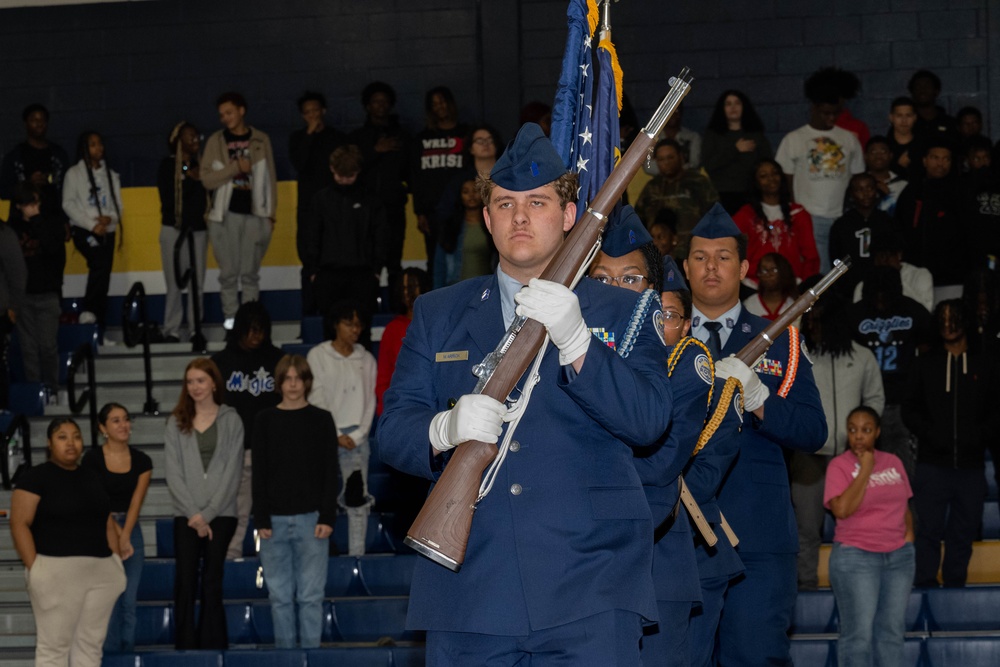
pixel 555 306
pixel 755 392
pixel 474 417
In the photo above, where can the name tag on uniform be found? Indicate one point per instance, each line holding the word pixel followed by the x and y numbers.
pixel 457 355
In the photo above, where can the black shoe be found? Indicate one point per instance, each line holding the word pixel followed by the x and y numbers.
pixel 171 339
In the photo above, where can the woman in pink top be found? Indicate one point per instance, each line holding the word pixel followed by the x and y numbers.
pixel 872 563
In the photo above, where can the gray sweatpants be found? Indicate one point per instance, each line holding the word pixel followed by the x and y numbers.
pixel 38 332
pixel 239 243
pixel 172 310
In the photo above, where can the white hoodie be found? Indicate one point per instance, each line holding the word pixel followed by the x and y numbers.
pixel 79 202
pixel 345 386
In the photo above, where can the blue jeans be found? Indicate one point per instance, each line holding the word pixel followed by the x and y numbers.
pixel 121 627
pixel 872 590
pixel 821 232
pixel 295 561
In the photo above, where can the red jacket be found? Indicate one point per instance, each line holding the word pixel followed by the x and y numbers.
pixel 797 245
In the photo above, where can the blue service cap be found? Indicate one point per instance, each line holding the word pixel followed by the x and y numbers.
pixel 529 162
pixel 673 277
pixel 624 234
pixel 716 224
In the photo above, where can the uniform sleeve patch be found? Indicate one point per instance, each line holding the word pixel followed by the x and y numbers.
pixel 658 325
pixel 703 368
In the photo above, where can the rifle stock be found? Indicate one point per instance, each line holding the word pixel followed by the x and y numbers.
pixel 441 529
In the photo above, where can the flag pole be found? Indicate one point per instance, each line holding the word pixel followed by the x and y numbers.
pixel 605 28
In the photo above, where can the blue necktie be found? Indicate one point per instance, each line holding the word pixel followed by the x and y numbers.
pixel 714 339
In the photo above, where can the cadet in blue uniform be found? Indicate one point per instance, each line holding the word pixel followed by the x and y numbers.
pixel 783 409
pixel 558 565
pixel 629 259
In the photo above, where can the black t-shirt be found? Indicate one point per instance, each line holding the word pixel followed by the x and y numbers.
pixel 239 147
pixel 248 376
pixel 295 464
pixel 851 234
pixel 120 486
pixel 72 515
pixel 36 159
pixel 194 201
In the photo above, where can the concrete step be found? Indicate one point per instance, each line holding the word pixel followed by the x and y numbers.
pixel 130 394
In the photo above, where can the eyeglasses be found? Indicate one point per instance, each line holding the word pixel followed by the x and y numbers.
pixel 763 271
pixel 672 320
pixel 622 281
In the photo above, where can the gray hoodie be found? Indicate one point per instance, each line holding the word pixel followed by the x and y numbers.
pixel 195 490
pixel 845 383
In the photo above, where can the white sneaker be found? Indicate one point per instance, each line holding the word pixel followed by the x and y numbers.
pixel 87 317
pixel 228 324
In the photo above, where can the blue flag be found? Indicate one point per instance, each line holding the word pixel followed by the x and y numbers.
pixel 585 113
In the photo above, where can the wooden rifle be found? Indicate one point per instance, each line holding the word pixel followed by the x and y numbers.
pixel 441 529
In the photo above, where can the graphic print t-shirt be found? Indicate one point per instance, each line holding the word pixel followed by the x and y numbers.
pixel 893 337
pixel 879 524
pixel 239 147
pixel 822 162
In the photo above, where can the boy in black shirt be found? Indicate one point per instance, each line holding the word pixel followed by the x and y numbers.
pixel 42 237
pixel 851 234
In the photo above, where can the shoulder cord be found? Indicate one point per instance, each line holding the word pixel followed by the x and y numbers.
pixel 517 408
pixel 793 362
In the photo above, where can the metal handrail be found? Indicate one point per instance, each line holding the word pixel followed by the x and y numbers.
pixel 20 425
pixel 83 354
pixel 198 343
pixel 136 298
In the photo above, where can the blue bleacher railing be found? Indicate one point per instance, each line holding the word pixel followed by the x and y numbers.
pixel 185 279
pixel 135 301
pixel 15 450
pixel 84 354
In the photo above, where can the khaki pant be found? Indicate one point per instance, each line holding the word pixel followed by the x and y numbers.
pixel 72 598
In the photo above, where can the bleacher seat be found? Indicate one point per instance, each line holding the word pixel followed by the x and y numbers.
pixel 960 651
pixel 916 617
pixel 369 619
pixel 154 624
pixel 829 524
pixel 352 657
pixel 377 540
pixel 164 538
pixel 912 651
pixel 312 330
pixel 991 520
pixel 28 398
pixel 240 580
pixel 70 337
pixel 408 656
pixel 269 658
pixel 343 578
pixel 121 660
pixel 388 575
pixel 815 613
pixel 263 623
pixel 970 609
pixel 239 623
pixel 297 348
pixel 814 652
pixel 157 580
pixel 183 659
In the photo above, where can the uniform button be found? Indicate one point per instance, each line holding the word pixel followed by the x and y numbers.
pixel 515 446
pixel 515 489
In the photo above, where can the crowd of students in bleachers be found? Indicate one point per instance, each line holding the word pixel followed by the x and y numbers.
pixel 911 332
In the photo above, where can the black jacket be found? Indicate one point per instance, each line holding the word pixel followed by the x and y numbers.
pixel 930 220
pixel 949 410
pixel 345 229
pixel 43 242
pixel 248 381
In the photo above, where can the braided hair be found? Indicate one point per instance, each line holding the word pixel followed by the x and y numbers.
pixel 174 142
pixel 83 153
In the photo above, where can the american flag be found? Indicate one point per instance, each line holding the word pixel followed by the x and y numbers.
pixel 585 114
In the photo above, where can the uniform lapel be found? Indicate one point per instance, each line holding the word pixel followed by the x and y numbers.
pixel 485 320
pixel 738 337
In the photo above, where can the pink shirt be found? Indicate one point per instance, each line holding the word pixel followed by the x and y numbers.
pixel 879 524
